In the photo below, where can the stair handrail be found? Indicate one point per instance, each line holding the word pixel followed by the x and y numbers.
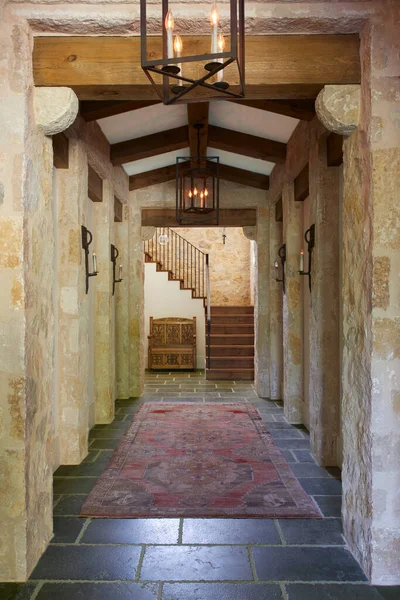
pixel 208 293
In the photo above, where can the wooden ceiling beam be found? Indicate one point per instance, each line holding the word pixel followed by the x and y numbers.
pixel 302 185
pixel 198 115
pixel 94 110
pixel 277 66
pixel 142 180
pixel 149 145
pixel 95 185
pixel 228 217
pixel 245 144
pixel 60 151
pixel 304 110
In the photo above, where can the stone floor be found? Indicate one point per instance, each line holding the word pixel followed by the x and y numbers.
pixel 197 559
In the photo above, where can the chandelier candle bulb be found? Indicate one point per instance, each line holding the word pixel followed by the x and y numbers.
pixel 276 270
pixel 214 32
pixel 301 261
pixel 120 271
pixel 221 48
pixel 178 44
pixel 94 263
pixel 169 26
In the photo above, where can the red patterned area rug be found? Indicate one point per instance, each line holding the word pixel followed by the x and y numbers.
pixel 209 460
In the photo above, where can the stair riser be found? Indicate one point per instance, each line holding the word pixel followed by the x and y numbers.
pixel 232 310
pixel 226 374
pixel 232 329
pixel 234 319
pixel 230 351
pixel 221 340
pixel 233 362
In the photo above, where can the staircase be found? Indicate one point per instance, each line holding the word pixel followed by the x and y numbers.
pixel 231 343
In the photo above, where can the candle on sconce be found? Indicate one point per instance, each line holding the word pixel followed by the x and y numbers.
pixel 169 26
pixel 221 48
pixel 120 271
pixel 276 265
pixel 302 260
pixel 178 45
pixel 94 262
pixel 214 18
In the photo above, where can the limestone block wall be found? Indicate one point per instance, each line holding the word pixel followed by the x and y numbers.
pixel 275 309
pixel 262 306
pixel 229 263
pixel 122 308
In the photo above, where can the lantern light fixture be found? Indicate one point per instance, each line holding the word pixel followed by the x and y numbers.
pixel 180 76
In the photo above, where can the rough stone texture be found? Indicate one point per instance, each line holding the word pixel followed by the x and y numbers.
pixel 250 233
pixel 338 108
pixel 229 263
pixel 147 233
pixel 55 109
pixel 381 292
pixel 74 353
pixel 262 375
pixel 324 327
pixel 122 308
pixel 275 311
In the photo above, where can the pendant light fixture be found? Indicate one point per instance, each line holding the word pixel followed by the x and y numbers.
pixel 197 188
pixel 178 74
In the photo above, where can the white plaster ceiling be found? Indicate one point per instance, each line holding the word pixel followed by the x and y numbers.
pixel 152 119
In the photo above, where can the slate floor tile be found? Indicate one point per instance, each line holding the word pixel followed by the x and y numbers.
pixel 70 505
pixel 73 485
pixel 185 563
pixel 326 532
pixel 92 455
pixel 304 456
pixel 230 531
pixel 389 593
pixel 131 531
pixel 101 434
pixel 286 434
pixel 293 444
pixel 66 529
pixel 306 564
pixel 331 506
pixel 98 591
pixel 89 469
pixel 220 591
pixel 331 592
pixel 114 425
pixel 108 444
pixel 288 456
pixel 322 487
pixel 309 470
pixel 102 563
pixel 17 591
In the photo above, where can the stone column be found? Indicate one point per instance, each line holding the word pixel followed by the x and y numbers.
pixel 136 301
pixel 122 308
pixel 262 305
pixel 275 310
pixel 104 318
pixel 324 384
pixel 292 309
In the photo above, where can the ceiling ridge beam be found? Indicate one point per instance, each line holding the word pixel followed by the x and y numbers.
pixel 93 110
pixel 247 145
pixel 149 145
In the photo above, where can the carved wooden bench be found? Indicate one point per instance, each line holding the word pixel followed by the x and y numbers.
pixel 172 344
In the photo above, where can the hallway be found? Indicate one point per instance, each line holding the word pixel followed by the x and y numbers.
pixel 197 559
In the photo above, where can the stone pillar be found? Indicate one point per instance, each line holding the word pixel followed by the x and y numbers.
pixel 73 308
pixel 104 316
pixel 122 308
pixel 275 311
pixel 324 383
pixel 292 309
pixel 261 308
pixel 136 301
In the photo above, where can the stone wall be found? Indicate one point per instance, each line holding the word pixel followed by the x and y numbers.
pixel 229 263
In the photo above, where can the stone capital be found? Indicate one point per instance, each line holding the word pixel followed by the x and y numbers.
pixel 55 108
pixel 147 233
pixel 250 232
pixel 338 108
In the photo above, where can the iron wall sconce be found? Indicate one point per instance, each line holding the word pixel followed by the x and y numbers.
pixel 87 239
pixel 114 256
pixel 282 256
pixel 309 237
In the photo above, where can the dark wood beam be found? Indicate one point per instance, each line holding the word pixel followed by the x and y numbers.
pixel 149 145
pixel 277 66
pixel 60 151
pixel 92 110
pixel 249 178
pixel 198 115
pixel 297 109
pixel 230 217
pixel 334 150
pixel 302 185
pixel 248 145
pixel 118 208
pixel 142 180
pixel 95 186
pixel 279 210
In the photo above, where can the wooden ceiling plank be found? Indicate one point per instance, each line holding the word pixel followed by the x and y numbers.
pixel 60 151
pixel 94 110
pixel 304 110
pixel 302 185
pixel 149 145
pixel 279 210
pixel 277 66
pixel 118 210
pixel 245 144
pixel 231 217
pixel 95 186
